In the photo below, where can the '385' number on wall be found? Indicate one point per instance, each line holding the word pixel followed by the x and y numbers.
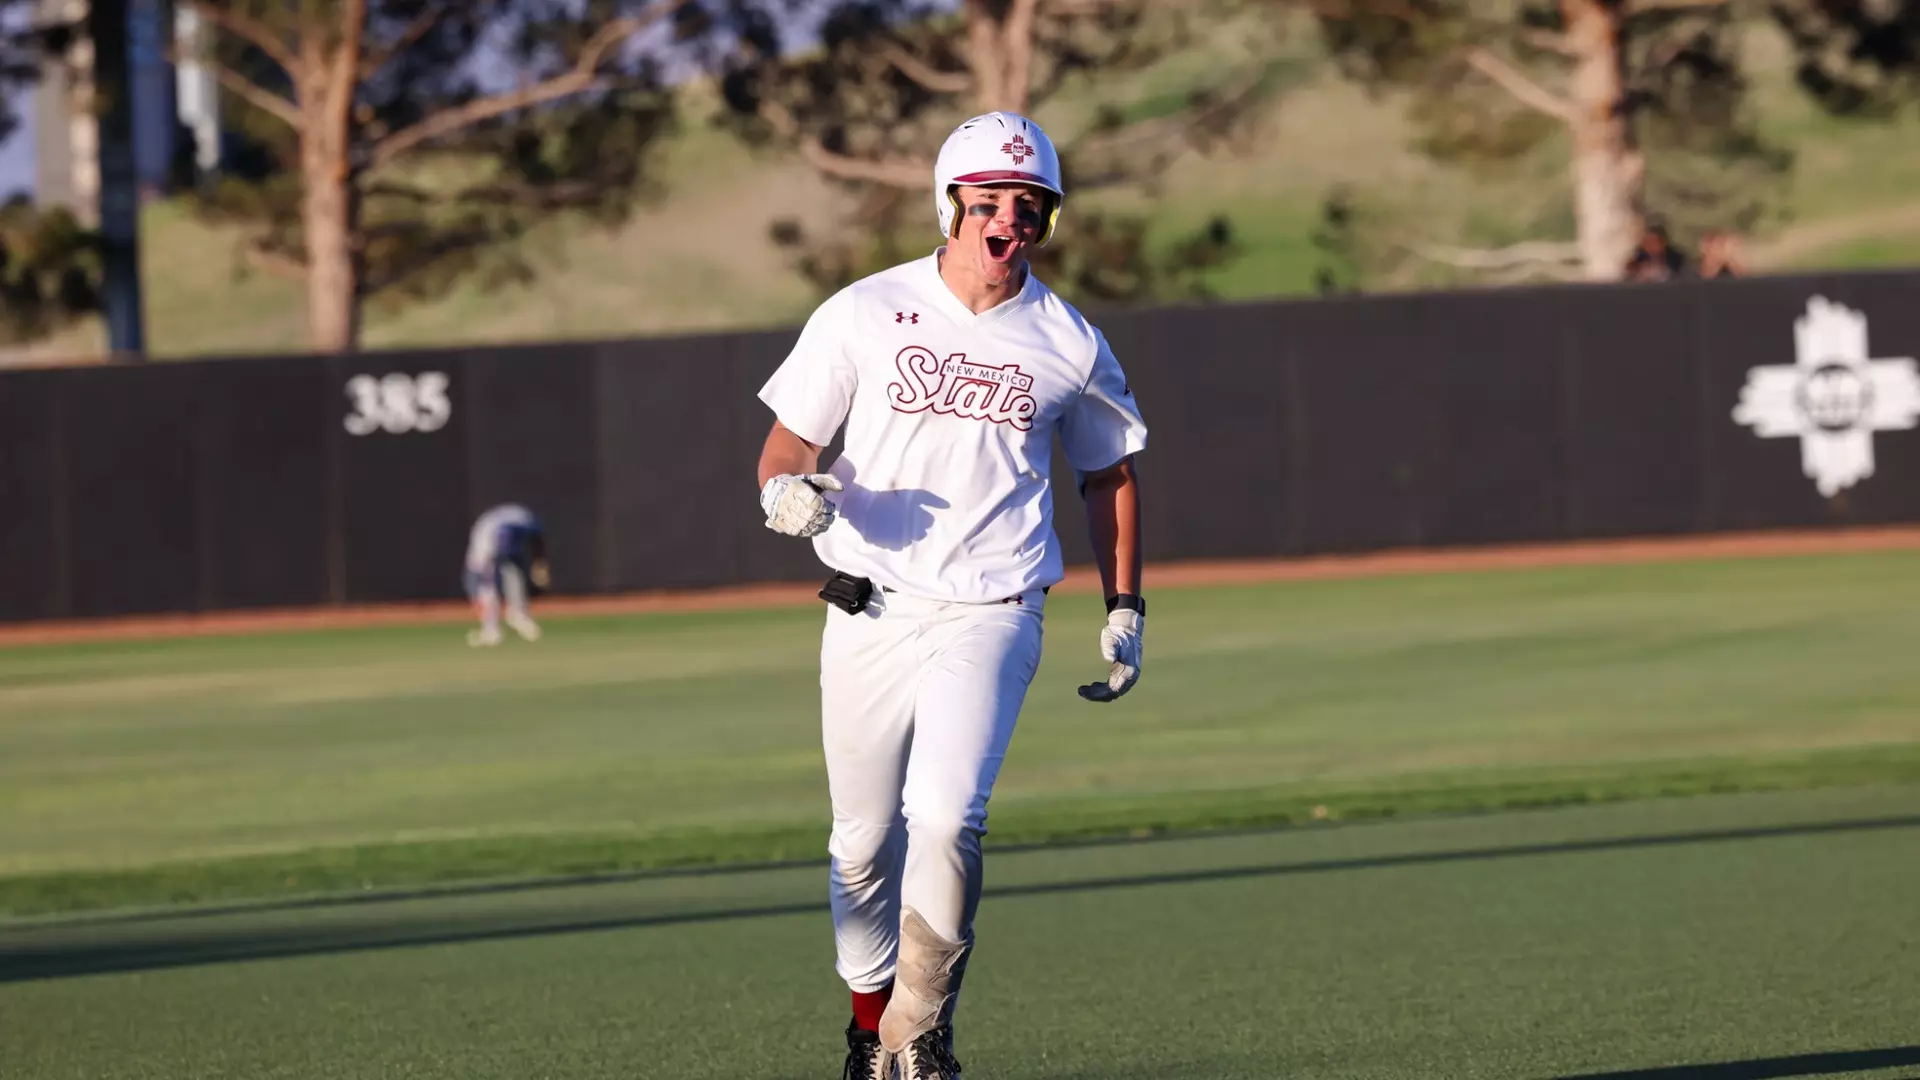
pixel 398 403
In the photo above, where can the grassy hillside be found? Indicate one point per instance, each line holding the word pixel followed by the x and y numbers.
pixel 701 259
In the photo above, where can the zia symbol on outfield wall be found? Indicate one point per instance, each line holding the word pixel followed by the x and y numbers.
pixel 1833 398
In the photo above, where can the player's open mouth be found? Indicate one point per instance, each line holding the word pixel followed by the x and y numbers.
pixel 1001 248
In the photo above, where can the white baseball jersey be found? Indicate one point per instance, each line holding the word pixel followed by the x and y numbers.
pixel 483 542
pixel 950 418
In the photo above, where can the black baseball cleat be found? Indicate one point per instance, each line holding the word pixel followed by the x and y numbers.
pixel 866 1060
pixel 930 1057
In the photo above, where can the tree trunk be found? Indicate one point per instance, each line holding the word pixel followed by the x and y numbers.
pixel 333 271
pixel 1608 168
pixel 330 205
pixel 1000 55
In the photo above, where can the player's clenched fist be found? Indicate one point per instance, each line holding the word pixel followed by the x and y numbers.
pixel 1121 645
pixel 796 506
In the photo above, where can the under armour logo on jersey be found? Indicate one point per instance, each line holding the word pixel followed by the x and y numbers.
pixel 1018 150
pixel 907 316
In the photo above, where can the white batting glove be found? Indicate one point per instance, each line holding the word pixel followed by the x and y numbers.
pixel 795 506
pixel 1121 645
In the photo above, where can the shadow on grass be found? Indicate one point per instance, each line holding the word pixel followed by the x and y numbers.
pixel 1777 1068
pixel 52 951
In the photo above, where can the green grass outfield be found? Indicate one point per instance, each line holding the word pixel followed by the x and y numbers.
pixel 1737 937
pixel 240 768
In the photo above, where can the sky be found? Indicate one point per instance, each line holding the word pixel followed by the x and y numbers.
pixel 16 154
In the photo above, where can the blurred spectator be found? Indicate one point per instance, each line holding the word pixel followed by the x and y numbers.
pixel 1721 256
pixel 1656 259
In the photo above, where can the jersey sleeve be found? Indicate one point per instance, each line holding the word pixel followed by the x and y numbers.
pixel 1103 425
pixel 812 389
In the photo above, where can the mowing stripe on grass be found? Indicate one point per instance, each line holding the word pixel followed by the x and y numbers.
pixel 388 870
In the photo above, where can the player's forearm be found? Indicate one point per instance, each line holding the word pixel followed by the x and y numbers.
pixel 786 454
pixel 1113 519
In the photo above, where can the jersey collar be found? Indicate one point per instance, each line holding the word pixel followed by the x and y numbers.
pixel 965 315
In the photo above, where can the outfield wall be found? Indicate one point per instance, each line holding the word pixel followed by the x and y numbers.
pixel 1285 428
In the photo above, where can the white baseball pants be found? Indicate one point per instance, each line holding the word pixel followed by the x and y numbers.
pixel 919 700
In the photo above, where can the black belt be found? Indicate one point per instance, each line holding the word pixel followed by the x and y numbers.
pixel 1014 599
pixel 851 594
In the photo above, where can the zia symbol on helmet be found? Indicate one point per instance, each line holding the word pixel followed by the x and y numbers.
pixel 1018 150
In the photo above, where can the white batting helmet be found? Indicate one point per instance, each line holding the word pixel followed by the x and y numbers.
pixel 996 148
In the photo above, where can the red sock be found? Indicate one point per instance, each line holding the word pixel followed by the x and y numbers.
pixel 868 1007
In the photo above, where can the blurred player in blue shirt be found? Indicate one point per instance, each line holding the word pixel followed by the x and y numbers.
pixel 506 558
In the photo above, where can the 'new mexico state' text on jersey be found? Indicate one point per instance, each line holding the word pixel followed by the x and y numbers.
pixel 950 418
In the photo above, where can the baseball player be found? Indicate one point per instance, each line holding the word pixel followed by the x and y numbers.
pixel 952 374
pixel 506 558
